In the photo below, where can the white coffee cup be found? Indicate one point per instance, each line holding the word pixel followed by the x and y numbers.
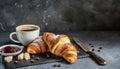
pixel 25 34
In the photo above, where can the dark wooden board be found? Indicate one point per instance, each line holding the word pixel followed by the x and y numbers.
pixel 43 58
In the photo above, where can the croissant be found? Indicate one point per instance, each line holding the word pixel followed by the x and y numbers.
pixel 37 46
pixel 60 45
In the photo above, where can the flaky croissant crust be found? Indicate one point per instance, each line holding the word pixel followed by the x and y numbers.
pixel 37 46
pixel 61 46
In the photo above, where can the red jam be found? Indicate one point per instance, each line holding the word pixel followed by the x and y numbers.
pixel 10 49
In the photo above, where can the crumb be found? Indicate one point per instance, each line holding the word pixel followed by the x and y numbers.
pixel 32 60
pixel 16 62
pixel 91 43
pixel 48 55
pixel 37 58
pixel 33 56
pixel 78 51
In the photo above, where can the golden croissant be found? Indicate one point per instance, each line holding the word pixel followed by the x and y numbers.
pixel 37 46
pixel 60 45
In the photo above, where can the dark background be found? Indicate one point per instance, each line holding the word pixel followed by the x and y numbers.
pixel 60 15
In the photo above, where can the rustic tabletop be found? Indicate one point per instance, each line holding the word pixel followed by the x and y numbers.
pixel 108 40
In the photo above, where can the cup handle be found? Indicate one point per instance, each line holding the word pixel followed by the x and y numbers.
pixel 12 37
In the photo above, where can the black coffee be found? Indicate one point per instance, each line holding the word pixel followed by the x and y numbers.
pixel 27 28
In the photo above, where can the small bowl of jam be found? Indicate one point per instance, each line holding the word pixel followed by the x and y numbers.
pixel 11 49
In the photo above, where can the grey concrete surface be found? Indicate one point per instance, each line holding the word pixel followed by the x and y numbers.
pixel 60 15
pixel 109 40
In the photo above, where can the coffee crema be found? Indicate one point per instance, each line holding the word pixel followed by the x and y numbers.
pixel 27 28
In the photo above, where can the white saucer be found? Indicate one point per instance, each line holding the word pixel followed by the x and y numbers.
pixel 11 54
